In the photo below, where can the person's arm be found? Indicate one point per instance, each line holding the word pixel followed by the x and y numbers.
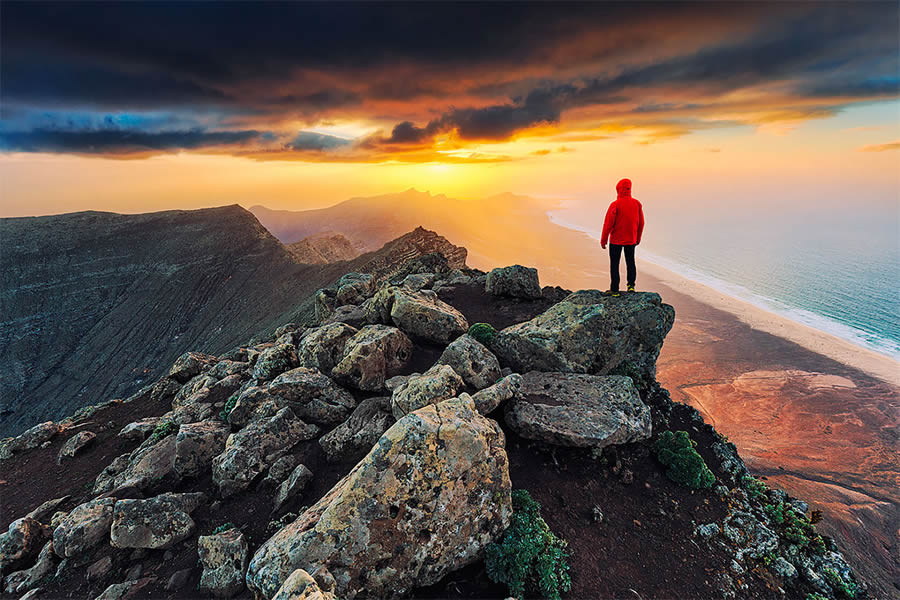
pixel 640 230
pixel 608 224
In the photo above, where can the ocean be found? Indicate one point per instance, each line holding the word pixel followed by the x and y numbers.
pixel 835 271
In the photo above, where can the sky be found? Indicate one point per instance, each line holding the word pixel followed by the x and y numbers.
pixel 133 107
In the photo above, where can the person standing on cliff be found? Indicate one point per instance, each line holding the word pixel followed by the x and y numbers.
pixel 623 227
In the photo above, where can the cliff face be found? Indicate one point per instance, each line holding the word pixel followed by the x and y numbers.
pixel 322 248
pixel 82 292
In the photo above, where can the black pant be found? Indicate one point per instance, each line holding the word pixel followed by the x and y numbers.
pixel 615 251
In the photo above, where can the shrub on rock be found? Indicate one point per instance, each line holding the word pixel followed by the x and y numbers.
pixel 686 466
pixel 483 332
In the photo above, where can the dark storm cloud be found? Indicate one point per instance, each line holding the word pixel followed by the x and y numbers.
pixel 118 141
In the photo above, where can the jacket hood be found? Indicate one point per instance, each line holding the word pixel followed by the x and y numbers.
pixel 623 188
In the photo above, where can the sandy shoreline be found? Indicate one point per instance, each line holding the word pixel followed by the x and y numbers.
pixel 883 367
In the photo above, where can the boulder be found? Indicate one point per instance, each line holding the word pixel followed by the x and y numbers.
pixel 352 315
pixel 194 391
pixel 245 452
pixel 28 440
pixel 280 469
pixel 274 361
pixel 590 332
pixel 22 581
pixel 322 347
pixel 418 281
pixel 312 396
pixel 160 390
pixel 190 364
pixel 75 444
pixel 197 444
pixel 139 430
pixel 300 585
pixel 224 558
pixel 154 523
pixel 354 288
pixel 423 315
pixel 125 590
pixel 516 281
pixel 488 399
pixel 22 540
pixel 139 469
pixel 44 513
pixel 325 304
pixel 226 367
pixel 221 390
pixel 440 382
pixel 472 361
pixel 252 403
pixel 293 485
pixel 375 353
pixel 83 528
pixel 99 569
pixel 424 502
pixel 352 439
pixel 569 409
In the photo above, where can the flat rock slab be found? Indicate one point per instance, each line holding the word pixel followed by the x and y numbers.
pixel 567 409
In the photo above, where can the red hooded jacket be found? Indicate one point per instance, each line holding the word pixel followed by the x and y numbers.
pixel 624 222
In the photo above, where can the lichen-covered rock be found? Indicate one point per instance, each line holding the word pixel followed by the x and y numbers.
pixel 472 361
pixel 570 409
pixel 196 444
pixel 293 485
pixel 28 440
pixel 325 304
pixel 22 540
pixel 424 502
pixel 254 402
pixel 375 353
pixel 352 315
pixel 221 390
pixel 352 439
pixel 125 590
pixel 75 444
pixel 224 558
pixel 322 348
pixel 488 399
pixel 300 585
pixel 155 523
pixel 274 361
pixel 140 468
pixel 139 430
pixel 354 288
pixel 189 365
pixel 418 281
pixel 83 528
pixel 749 534
pixel 22 581
pixel 312 396
pixel 194 391
pixel 590 332
pixel 440 382
pixel 245 452
pixel 160 390
pixel 424 315
pixel 280 469
pixel 44 513
pixel 516 281
pixel 225 368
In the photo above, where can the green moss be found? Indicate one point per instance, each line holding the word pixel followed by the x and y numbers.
pixel 229 406
pixel 223 527
pixel 164 429
pixel 483 332
pixel 756 489
pixel 529 557
pixel 686 466
pixel 815 596
pixel 846 589
pixel 794 527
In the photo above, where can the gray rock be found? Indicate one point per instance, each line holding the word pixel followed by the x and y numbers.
pixel 300 585
pixel 224 558
pixel 424 502
pixel 28 440
pixel 75 444
pixel 707 531
pixel 293 486
pixel 22 540
pixel 84 528
pixel 154 523
pixel 516 281
pixel 578 410
pixel 784 569
pixel 440 382
pixel 747 532
pixel 22 581
pixel 244 457
pixel 352 315
pixel 354 288
pixel 313 396
pixel 322 347
pixel 99 569
pixel 352 439
pixel 140 469
pixel 418 281
pixel 197 444
pixel 44 513
pixel 226 367
pixel 325 304
pixel 373 354
pixel 189 365
pixel 254 402
pixel 490 398
pixel 125 590
pixel 423 315
pixel 590 332
pixel 139 430
pixel 280 469
pixel 178 580
pixel 472 361
pixel 274 361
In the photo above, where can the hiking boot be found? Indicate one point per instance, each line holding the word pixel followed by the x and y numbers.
pixel 613 293
pixel 630 287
